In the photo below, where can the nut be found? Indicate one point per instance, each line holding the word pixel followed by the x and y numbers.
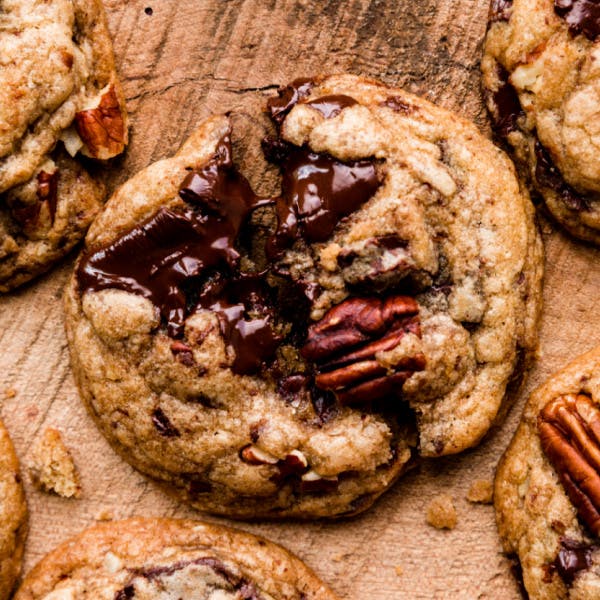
pixel 253 455
pixel 312 482
pixel 569 428
pixel 102 127
pixel 344 344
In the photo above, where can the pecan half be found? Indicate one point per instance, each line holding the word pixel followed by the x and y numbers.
pixel 345 341
pixel 569 428
pixel 102 127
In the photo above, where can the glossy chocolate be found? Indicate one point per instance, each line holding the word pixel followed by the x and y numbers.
pixel 317 191
pixel 500 10
pixel 163 425
pixel 156 258
pixel 547 175
pixel 582 16
pixel 572 558
pixel 246 319
pixel 507 105
pixel 287 97
pixel 331 106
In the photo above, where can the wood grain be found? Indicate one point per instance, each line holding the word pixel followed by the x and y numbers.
pixel 193 57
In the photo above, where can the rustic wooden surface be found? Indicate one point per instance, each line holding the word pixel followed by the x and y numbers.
pixel 180 63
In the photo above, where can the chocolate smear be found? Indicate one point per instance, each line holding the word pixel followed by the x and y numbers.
pixel 582 16
pixel 157 257
pixel 547 175
pixel 398 105
pixel 317 191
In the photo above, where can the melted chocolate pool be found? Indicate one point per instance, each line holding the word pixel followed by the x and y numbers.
pixel 156 258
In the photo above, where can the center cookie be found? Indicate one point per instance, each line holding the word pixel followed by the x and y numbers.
pixel 292 355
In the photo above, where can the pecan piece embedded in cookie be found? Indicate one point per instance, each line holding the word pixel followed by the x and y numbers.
pixel 346 341
pixel 570 437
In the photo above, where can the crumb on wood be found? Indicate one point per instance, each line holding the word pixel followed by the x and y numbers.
pixel 399 570
pixel 52 468
pixel 104 515
pixel 481 492
pixel 441 513
pixel 10 393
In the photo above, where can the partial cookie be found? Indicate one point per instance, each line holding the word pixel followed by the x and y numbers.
pixel 13 516
pixel 168 558
pixel 541 75
pixel 59 95
pixel 547 489
pixel 292 356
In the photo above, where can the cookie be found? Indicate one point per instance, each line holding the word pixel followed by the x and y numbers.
pixel 547 488
pixel 13 516
pixel 292 356
pixel 169 558
pixel 59 96
pixel 542 86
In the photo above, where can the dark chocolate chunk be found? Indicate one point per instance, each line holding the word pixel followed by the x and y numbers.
pixel 500 10
pixel 47 191
pixel 183 353
pixel 572 558
pixel 158 257
pixel 126 593
pixel 246 317
pixel 317 191
pixel 582 16
pixel 507 105
pixel 331 106
pixel 547 175
pixel 315 486
pixel 287 97
pixel 163 424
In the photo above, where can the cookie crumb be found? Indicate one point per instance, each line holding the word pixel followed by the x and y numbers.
pixel 399 570
pixel 441 513
pixel 52 468
pixel 481 492
pixel 10 393
pixel 104 515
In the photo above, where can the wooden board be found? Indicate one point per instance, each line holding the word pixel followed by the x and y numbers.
pixel 179 64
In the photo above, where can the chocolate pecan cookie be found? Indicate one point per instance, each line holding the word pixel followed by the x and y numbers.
pixel 13 516
pixel 168 558
pixel 59 96
pixel 292 355
pixel 547 489
pixel 541 77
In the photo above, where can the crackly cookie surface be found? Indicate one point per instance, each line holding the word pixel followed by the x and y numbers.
pixel 291 355
pixel 170 559
pixel 547 488
pixel 542 81
pixel 59 95
pixel 13 516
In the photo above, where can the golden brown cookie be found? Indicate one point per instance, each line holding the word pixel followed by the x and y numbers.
pixel 547 488
pixel 13 516
pixel 541 77
pixel 292 355
pixel 59 96
pixel 170 559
